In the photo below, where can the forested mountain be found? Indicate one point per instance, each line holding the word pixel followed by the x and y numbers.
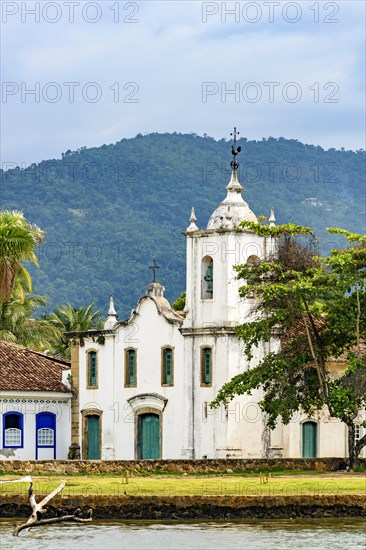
pixel 108 211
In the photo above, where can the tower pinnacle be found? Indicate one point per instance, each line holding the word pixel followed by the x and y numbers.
pixel 272 219
pixel 233 209
pixel 192 221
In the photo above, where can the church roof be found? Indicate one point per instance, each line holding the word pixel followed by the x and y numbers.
pixel 233 209
pixel 22 369
pixel 155 291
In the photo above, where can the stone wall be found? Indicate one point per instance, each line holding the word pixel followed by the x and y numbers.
pixel 196 507
pixel 68 467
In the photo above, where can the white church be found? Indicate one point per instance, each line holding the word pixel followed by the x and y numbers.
pixel 143 385
pixel 141 388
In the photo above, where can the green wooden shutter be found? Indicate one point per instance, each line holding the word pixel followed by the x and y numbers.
pixel 168 366
pixel 207 366
pixel 92 368
pixel 131 375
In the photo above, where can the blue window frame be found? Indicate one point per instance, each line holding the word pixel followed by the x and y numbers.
pixel 92 369
pixel 13 431
pixel 46 432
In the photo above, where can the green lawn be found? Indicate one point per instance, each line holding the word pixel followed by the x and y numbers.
pixel 220 485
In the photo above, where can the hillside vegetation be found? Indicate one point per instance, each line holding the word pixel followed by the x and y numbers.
pixel 108 211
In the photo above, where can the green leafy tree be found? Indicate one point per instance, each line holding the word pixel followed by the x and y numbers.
pixel 18 239
pixel 316 307
pixel 70 319
pixel 18 325
pixel 180 302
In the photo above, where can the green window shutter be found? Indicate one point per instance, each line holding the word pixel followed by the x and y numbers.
pixel 131 366
pixel 207 366
pixel 168 366
pixel 92 368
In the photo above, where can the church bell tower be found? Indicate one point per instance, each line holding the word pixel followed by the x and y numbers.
pixel 214 308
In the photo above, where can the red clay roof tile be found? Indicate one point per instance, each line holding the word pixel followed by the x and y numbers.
pixel 22 369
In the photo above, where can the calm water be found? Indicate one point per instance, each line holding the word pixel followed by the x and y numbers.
pixel 344 534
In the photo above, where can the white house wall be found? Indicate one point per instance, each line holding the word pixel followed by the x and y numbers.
pixel 29 404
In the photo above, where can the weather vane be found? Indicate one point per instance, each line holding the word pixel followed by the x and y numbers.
pixel 154 267
pixel 235 150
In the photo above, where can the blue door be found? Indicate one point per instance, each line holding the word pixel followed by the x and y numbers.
pixel 45 432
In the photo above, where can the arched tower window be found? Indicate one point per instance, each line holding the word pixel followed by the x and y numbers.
pixel 253 260
pixel 207 278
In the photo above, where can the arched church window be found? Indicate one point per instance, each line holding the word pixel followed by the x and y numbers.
pixel 252 261
pixel 206 366
pixel 92 374
pixel 13 430
pixel 130 368
pixel 167 374
pixel 207 278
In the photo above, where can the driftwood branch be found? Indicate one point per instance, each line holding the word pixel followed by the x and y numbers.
pixel 36 518
pixel 36 523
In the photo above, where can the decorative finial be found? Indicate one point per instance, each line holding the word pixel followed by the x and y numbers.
pixel 111 310
pixel 235 150
pixel 272 218
pixel 154 267
pixel 111 320
pixel 193 216
pixel 192 221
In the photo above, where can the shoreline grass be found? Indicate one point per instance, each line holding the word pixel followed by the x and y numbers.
pixel 345 484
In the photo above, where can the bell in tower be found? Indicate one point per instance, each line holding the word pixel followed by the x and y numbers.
pixel 209 279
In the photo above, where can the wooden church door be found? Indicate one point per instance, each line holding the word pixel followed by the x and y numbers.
pixel 93 432
pixel 149 436
pixel 309 430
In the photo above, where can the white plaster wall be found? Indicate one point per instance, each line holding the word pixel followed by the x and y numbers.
pixel 227 250
pixel 148 332
pixel 30 404
pixel 238 430
pixel 331 436
pixel 235 431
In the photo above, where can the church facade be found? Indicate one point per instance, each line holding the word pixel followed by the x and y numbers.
pixel 143 385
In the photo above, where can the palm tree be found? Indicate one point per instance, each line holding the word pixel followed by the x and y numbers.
pixel 18 325
pixel 70 319
pixel 18 239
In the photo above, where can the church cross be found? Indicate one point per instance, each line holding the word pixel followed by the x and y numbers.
pixel 154 267
pixel 234 134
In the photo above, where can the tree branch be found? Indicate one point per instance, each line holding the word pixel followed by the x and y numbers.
pixel 35 519
pixel 36 523
pixel 358 315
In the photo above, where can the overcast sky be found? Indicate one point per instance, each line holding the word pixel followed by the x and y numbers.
pixel 102 71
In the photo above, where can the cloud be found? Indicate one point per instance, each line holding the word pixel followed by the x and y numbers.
pixel 149 75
